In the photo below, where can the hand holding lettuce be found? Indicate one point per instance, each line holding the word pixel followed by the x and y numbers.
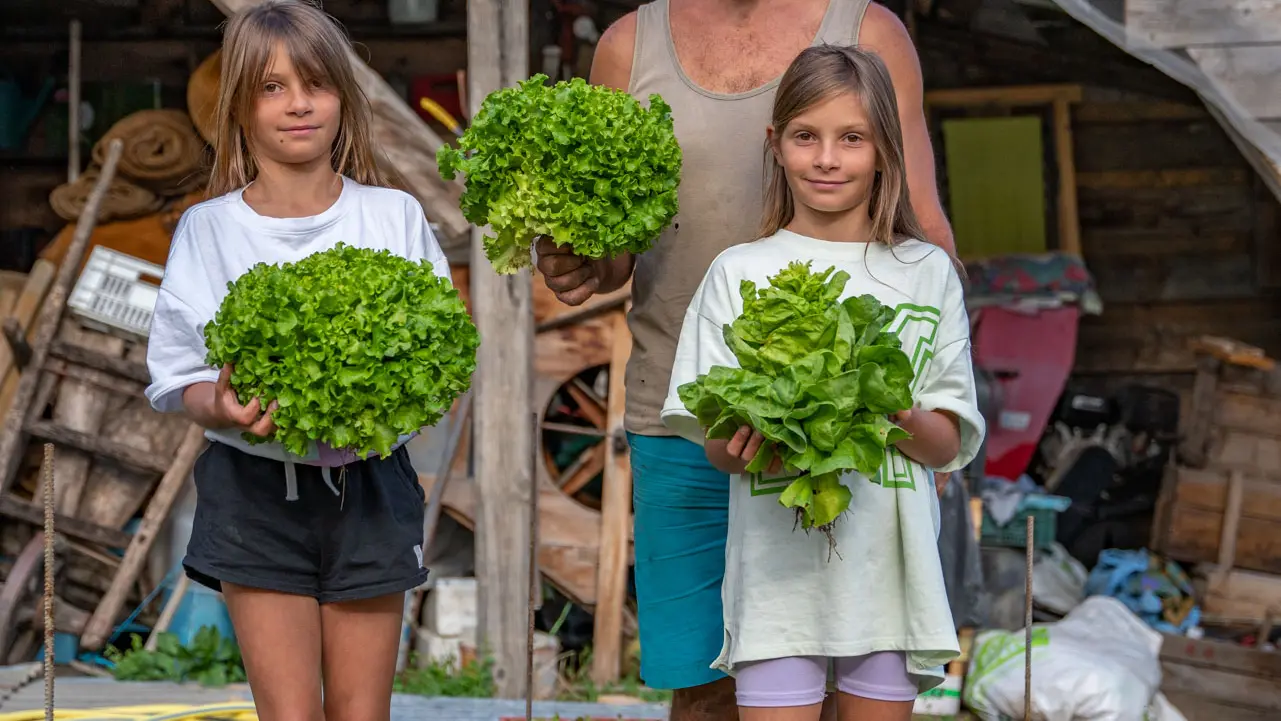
pixel 584 164
pixel 818 377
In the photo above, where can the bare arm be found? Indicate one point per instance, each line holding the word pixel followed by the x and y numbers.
pixel 885 34
pixel 936 437
pixel 572 278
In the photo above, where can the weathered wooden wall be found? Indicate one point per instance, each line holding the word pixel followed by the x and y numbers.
pixel 164 41
pixel 1176 228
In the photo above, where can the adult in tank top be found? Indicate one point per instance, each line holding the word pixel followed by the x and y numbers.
pixel 717 63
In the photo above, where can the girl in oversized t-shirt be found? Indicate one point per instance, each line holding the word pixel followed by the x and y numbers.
pixel 877 616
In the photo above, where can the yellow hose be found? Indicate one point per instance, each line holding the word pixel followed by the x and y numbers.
pixel 237 711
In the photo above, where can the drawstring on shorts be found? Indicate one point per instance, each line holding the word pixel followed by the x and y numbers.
pixel 326 473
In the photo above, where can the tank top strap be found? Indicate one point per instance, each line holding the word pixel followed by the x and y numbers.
pixel 653 51
pixel 843 22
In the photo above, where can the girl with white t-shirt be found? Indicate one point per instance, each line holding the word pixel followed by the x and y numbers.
pixel 314 575
pixel 877 616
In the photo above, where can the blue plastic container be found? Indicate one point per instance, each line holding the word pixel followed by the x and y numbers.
pixel 200 606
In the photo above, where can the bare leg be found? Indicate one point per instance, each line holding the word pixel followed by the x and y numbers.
pixel 856 708
pixel 710 702
pixel 829 708
pixel 360 640
pixel 279 637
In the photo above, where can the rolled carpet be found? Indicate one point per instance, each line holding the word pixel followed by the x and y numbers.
pixel 162 151
pixel 123 200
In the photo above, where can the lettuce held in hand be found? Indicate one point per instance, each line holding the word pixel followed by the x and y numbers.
pixel 584 164
pixel 817 377
pixel 356 346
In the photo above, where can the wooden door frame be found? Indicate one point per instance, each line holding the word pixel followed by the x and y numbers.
pixel 1059 98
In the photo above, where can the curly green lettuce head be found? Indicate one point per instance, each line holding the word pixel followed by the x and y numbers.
pixel 356 346
pixel 587 165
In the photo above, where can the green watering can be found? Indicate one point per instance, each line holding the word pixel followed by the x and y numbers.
pixel 18 113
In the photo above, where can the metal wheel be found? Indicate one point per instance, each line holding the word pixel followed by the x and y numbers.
pixel 21 598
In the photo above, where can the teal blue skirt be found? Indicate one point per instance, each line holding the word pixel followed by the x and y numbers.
pixel 682 520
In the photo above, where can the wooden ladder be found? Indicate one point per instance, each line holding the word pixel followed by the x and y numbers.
pixel 48 361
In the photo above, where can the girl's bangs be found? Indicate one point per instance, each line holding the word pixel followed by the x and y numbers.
pixel 312 60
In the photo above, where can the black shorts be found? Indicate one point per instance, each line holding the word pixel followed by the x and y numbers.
pixel 353 533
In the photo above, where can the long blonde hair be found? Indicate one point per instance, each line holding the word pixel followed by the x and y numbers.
pixel 319 50
pixel 817 74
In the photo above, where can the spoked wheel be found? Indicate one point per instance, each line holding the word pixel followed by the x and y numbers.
pixel 21 601
pixel 574 430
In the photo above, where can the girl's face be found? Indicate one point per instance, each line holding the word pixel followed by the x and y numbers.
pixel 828 156
pixel 295 121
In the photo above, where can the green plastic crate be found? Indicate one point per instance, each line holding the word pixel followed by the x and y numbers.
pixel 1045 509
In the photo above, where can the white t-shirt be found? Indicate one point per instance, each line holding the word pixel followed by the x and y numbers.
pixel 884 592
pixel 220 239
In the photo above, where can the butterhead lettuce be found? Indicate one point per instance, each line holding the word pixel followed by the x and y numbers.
pixel 356 346
pixel 585 164
pixel 818 377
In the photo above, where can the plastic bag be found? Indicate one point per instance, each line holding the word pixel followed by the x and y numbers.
pixel 1100 663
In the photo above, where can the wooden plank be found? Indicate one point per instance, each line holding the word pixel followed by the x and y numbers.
pixel 1245 73
pixel 1195 276
pixel 1007 96
pixel 1220 656
pixel 1196 438
pixel 1243 596
pixel 503 434
pixel 1180 23
pixel 1154 145
pixel 406 144
pixel 92 444
pixel 1069 221
pixel 104 617
pixel 1198 708
pixel 1160 179
pixel 1126 113
pixel 1220 685
pixel 24 310
pixel 615 519
pixel 33 514
pixel 13 439
pixel 1249 413
pixel 568 539
pixel 80 355
pixel 80 408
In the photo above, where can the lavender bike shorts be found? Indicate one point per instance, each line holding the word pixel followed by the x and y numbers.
pixel 802 680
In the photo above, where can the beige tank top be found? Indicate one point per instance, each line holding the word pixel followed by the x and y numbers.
pixel 722 141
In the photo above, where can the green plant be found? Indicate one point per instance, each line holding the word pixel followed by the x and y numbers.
pixel 584 164
pixel 817 377
pixel 472 680
pixel 357 346
pixel 211 660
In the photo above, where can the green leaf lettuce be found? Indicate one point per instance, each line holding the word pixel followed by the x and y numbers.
pixel 818 377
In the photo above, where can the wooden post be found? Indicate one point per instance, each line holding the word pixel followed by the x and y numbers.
pixel 615 520
pixel 502 306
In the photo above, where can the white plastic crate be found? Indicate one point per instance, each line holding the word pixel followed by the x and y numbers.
pixel 116 293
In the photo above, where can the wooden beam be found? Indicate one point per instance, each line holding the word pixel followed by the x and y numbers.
pixel 503 434
pixel 615 520
pixel 406 143
pixel 1009 96
pixel 1069 220
pixel 1180 23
